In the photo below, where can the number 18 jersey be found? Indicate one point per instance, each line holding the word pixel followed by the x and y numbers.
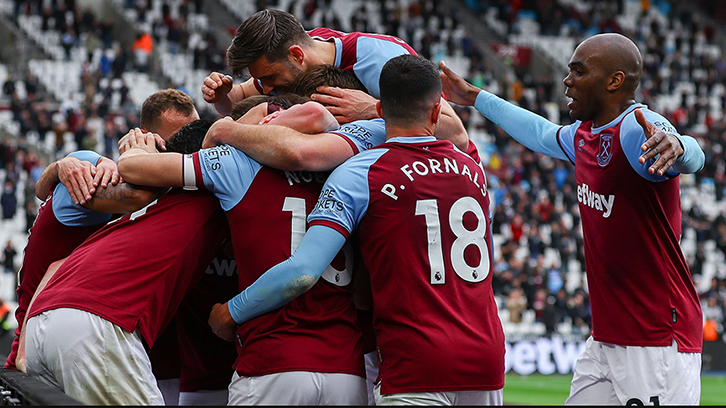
pixel 421 211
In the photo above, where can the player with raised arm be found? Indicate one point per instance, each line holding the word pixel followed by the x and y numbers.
pixel 420 208
pixel 274 47
pixel 647 325
pixel 89 329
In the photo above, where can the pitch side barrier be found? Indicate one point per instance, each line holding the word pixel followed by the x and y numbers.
pixel 18 388
pixel 528 354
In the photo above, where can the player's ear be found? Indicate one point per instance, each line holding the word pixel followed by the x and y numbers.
pixel 436 113
pixel 617 79
pixel 296 54
pixel 379 111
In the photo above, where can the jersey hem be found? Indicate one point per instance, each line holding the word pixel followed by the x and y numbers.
pixel 385 390
pixel 666 343
pixel 304 369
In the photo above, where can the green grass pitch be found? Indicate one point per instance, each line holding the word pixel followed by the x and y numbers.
pixel 554 389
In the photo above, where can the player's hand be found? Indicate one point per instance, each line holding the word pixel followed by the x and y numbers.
pixel 78 177
pixel 123 143
pixel 145 141
pixel 216 86
pixel 106 170
pixel 222 323
pixel 269 117
pixel 217 131
pixel 663 147
pixel 456 89
pixel 347 105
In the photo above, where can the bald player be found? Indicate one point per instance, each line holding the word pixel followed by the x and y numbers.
pixel 646 339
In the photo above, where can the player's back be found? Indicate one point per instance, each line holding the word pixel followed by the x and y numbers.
pixel 425 238
pixel 135 271
pixel 316 331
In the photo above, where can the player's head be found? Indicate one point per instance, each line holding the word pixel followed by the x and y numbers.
pixel 605 69
pixel 410 91
pixel 328 75
pixel 189 138
pixel 166 111
pixel 271 45
pixel 274 103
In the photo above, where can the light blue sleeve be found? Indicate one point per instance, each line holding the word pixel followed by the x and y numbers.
pixel 86 155
pixel 345 196
pixel 291 278
pixel 228 173
pixel 364 134
pixel 66 211
pixel 371 55
pixel 527 128
pixel 632 138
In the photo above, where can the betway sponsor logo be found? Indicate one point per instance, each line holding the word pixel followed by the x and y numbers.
pixel 543 355
pixel 595 200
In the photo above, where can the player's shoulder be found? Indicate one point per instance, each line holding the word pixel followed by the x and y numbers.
pixel 630 123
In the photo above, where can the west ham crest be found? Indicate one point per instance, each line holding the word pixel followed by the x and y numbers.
pixel 605 151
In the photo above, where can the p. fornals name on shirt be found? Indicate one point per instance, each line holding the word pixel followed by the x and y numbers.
pixel 420 169
pixel 595 200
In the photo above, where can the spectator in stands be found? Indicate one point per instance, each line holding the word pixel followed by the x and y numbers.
pixel 9 257
pixel 8 200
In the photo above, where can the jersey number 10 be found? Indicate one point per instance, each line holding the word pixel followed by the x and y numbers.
pixel 464 237
pixel 296 206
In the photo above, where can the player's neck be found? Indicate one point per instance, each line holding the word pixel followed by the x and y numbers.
pixel 611 112
pixel 408 131
pixel 322 52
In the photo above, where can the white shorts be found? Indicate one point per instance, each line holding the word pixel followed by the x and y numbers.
pixel 608 374
pixel 298 388
pixel 169 390
pixel 494 397
pixel 371 360
pixel 90 359
pixel 204 397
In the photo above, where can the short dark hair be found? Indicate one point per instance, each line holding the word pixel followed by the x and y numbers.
pixel 161 101
pixel 284 101
pixel 410 86
pixel 189 138
pixel 268 33
pixel 330 75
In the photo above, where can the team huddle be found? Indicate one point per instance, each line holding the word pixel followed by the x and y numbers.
pixel 328 241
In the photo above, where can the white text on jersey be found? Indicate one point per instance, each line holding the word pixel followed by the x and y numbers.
pixel 595 200
pixel 294 177
pixel 434 167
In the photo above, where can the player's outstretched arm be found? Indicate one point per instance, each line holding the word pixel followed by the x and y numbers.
pixel 683 154
pixel 282 147
pixel 142 163
pixel 281 283
pixel 527 128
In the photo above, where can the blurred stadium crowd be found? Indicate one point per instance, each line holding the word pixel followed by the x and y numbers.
pixel 87 94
